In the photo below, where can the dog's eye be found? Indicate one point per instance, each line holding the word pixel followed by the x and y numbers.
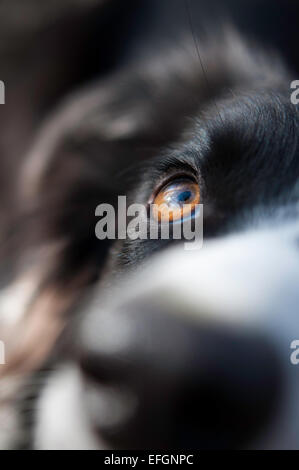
pixel 176 200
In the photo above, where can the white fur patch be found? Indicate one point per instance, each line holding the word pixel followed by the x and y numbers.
pixel 14 300
pixel 62 422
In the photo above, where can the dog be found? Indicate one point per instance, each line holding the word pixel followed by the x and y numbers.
pixel 141 343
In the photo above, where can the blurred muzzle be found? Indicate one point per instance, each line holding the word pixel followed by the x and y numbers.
pixel 188 353
pixel 171 382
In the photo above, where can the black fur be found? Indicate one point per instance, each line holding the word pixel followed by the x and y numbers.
pixel 224 115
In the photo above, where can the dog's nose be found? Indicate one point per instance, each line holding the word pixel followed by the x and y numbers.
pixel 162 380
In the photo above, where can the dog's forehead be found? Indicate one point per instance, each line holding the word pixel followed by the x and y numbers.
pixel 253 131
pixel 245 149
pixel 250 116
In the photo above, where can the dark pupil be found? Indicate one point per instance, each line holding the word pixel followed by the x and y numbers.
pixel 184 196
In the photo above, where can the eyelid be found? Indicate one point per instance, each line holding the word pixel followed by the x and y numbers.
pixel 172 177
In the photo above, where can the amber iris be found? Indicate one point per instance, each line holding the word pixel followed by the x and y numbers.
pixel 176 200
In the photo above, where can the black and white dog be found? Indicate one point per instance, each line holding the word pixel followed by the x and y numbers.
pixel 141 343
